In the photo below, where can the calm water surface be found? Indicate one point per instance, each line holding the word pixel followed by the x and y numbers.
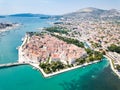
pixel 93 77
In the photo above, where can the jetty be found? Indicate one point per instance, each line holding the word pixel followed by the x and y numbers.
pixel 12 64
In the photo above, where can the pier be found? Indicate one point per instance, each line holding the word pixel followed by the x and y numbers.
pixel 12 64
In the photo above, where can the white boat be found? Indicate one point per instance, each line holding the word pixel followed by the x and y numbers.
pixel 22 39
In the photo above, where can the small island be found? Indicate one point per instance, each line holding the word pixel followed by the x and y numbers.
pixel 53 54
pixel 7 26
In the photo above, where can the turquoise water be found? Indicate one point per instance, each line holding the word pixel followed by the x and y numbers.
pixel 12 39
pixel 93 77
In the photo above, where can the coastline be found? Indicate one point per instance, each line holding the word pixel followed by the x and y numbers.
pixel 36 65
pixel 24 59
pixel 9 28
pixel 61 71
pixel 112 67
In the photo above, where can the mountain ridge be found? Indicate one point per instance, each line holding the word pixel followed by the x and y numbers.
pixel 85 12
pixel 94 13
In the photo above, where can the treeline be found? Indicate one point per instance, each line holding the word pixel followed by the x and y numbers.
pixel 56 30
pixel 53 66
pixel 114 48
pixel 92 56
pixel 70 40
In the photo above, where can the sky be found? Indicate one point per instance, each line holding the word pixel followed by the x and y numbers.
pixel 53 7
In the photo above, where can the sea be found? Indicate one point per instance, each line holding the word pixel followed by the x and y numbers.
pixel 97 76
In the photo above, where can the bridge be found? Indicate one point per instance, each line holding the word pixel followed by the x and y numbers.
pixel 12 64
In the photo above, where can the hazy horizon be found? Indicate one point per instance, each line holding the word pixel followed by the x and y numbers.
pixel 54 7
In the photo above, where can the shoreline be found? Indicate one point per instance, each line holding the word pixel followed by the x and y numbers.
pixel 58 72
pixel 9 28
pixel 72 68
pixel 61 71
pixel 36 64
pixel 112 67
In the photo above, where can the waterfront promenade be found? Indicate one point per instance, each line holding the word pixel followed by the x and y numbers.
pixel 111 64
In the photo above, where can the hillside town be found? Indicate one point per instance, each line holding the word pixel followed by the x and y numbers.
pixel 105 33
pixel 98 33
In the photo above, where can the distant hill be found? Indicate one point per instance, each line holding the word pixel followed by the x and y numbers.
pixel 85 13
pixel 94 13
pixel 41 16
pixel 28 15
pixel 2 16
pixel 90 10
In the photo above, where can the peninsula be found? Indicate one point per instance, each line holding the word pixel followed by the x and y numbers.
pixel 53 54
